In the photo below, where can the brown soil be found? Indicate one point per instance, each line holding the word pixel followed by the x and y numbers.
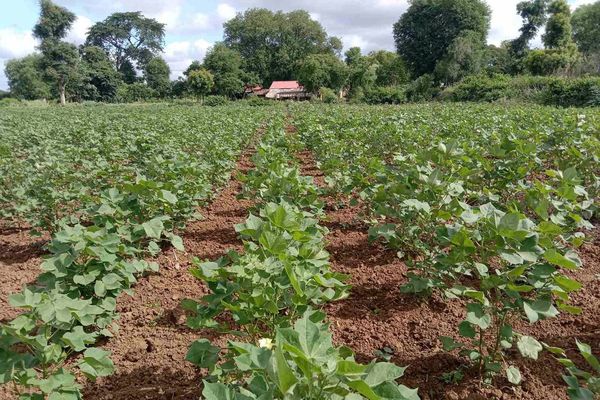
pixel 20 258
pixel 377 315
pixel 149 351
pixel 150 348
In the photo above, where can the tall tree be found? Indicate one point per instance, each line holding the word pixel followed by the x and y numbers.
pixel 465 56
pixel 58 57
pixel 586 28
pixel 200 82
pixel 391 69
pixel 323 70
pixel 26 78
pixel 428 28
pixel 98 72
pixel 533 13
pixel 560 53
pixel 157 73
pixel 559 33
pixel 353 55
pixel 226 66
pixel 129 38
pixel 274 44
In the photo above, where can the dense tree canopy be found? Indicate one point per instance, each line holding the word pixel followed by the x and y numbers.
pixel 100 74
pixel 26 78
pixel 225 64
pixel 157 73
pixel 200 82
pixel 129 38
pixel 274 44
pixel 322 70
pixel 425 32
pixel 586 28
pixel 391 69
pixel 59 58
pixel 465 57
pixel 533 13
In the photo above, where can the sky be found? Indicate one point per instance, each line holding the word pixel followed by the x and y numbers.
pixel 192 26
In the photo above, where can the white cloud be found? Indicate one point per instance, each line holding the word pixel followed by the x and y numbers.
pixel 14 43
pixel 201 21
pixel 225 12
pixel 78 32
pixel 179 55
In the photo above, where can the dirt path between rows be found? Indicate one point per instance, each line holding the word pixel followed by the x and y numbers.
pixel 377 316
pixel 149 351
pixel 20 258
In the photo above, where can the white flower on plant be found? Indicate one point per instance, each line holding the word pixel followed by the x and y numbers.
pixel 265 343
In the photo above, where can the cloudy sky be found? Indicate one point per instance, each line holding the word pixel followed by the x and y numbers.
pixel 193 25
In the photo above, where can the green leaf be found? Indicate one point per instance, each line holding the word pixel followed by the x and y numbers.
pixel 285 376
pixel 203 354
pixel 477 316
pixel 450 344
pixel 177 242
pixel 514 375
pixel 554 257
pixel 381 372
pixel 96 363
pixel 168 196
pixel 539 309
pixel 78 339
pixel 217 391
pixel 154 228
pixel 529 347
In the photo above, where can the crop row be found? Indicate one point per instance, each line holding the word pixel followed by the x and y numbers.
pixel 271 293
pixel 482 206
pixel 107 213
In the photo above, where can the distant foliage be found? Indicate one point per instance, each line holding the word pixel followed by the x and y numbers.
pixel 128 93
pixel 564 92
pixel 213 101
pixel 386 95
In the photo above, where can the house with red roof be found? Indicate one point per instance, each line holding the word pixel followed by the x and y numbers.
pixel 281 90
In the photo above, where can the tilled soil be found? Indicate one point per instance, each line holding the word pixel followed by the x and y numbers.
pixel 150 348
pixel 376 315
pixel 20 259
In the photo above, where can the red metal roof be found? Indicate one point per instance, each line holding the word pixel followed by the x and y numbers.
pixel 285 85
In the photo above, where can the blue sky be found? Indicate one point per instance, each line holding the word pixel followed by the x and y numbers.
pixel 192 26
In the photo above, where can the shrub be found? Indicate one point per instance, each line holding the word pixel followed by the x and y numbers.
pixel 386 95
pixel 9 101
pixel 213 101
pixel 422 89
pixel 558 91
pixel 256 101
pixel 128 93
pixel 480 88
pixel 584 92
pixel 328 95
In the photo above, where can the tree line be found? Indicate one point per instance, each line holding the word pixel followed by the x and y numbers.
pixel 438 43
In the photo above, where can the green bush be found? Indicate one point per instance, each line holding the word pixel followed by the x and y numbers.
pixel 328 96
pixel 480 88
pixel 129 93
pixel 386 95
pixel 584 92
pixel 9 101
pixel 256 101
pixel 557 91
pixel 422 89
pixel 213 101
